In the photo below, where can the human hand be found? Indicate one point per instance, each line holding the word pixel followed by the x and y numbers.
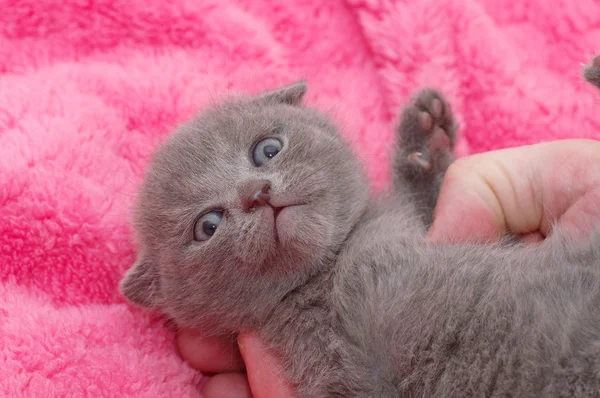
pixel 524 190
pixel 242 368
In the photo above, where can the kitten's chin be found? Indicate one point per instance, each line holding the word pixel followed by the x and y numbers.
pixel 287 238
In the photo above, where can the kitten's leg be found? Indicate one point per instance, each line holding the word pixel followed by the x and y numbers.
pixel 426 136
pixel 592 72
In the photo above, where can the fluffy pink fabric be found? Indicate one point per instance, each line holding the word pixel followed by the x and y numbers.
pixel 88 88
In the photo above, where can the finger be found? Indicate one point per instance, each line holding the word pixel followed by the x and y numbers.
pixel 480 194
pixel 523 190
pixel 264 372
pixel 227 385
pixel 209 354
pixel 532 238
pixel 584 215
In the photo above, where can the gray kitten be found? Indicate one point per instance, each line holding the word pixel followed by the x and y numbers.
pixel 257 215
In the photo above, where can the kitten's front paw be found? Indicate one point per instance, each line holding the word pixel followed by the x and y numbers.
pixel 591 72
pixel 427 133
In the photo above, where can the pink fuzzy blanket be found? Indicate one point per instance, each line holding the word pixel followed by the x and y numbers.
pixel 88 88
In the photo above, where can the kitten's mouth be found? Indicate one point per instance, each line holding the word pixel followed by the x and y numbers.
pixel 276 211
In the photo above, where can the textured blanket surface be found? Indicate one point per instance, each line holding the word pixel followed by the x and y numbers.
pixel 89 88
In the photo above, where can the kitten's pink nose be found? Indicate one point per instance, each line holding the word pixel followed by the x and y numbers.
pixel 255 193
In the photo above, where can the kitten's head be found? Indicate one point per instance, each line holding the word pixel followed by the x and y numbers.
pixel 239 206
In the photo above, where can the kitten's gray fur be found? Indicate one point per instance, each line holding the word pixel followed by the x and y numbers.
pixel 352 298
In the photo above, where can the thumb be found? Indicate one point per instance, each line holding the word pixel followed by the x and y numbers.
pixel 265 374
pixel 523 190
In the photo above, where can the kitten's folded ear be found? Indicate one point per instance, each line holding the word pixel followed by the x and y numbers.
pixel 292 94
pixel 141 283
pixel 592 72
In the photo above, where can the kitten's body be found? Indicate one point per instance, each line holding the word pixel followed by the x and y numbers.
pixel 439 321
pixel 349 294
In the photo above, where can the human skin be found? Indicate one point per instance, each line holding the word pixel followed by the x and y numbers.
pixel 525 190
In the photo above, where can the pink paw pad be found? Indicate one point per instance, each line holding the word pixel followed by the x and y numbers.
pixel 435 125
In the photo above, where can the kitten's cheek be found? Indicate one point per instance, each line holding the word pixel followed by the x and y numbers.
pixel 288 221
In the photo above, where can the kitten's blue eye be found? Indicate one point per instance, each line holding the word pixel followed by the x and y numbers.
pixel 266 150
pixel 207 225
